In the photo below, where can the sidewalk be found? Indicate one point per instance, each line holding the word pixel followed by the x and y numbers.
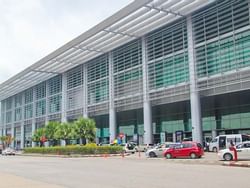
pixel 245 164
pixel 208 159
pixel 12 181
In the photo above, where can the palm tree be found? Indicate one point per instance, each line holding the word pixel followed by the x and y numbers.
pixel 64 132
pixel 50 130
pixel 3 140
pixel 91 130
pixel 39 136
pixel 6 140
pixel 85 129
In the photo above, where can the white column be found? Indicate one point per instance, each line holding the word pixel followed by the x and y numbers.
pixel 13 135
pixel 147 115
pixel 12 124
pixel 22 135
pixel 47 104
pixel 194 93
pixel 64 95
pixel 112 111
pixel 1 124
pixel 22 123
pixel 33 126
pixel 4 120
pixel 85 90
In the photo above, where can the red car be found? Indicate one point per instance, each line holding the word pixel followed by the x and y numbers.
pixel 185 149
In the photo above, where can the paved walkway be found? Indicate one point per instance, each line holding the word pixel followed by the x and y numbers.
pixel 12 181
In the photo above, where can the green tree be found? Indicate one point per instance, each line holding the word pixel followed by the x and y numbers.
pixel 3 140
pixel 50 130
pixel 91 130
pixel 85 129
pixel 39 136
pixel 64 131
pixel 6 140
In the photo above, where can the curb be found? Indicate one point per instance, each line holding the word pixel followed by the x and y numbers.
pixel 236 164
pixel 73 156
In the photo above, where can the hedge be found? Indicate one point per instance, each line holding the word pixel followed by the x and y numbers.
pixel 69 150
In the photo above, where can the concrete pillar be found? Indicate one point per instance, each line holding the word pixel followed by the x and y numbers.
pixel 13 136
pixel 64 98
pixel 47 104
pixel 33 125
pixel 33 144
pixel 112 111
pixel 22 136
pixel 194 93
pixel 22 123
pixel 85 90
pixel 12 123
pixel 147 114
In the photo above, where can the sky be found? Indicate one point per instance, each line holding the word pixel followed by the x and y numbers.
pixel 32 29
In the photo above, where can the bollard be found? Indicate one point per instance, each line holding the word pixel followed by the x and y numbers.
pixel 139 154
pixel 122 154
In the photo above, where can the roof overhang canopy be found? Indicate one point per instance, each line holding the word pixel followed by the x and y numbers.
pixel 131 22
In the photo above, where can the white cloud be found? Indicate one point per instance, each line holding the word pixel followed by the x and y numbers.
pixel 31 29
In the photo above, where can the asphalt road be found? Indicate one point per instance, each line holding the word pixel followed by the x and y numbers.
pixel 116 172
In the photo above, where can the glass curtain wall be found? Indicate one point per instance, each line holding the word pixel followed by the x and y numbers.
pixel 102 125
pixel 40 97
pixel 168 68
pixel 54 98
pixel 28 100
pixel 167 56
pixel 127 68
pixel 131 125
pixel 98 84
pixel 18 107
pixel 222 40
pixel 74 92
pixel 222 37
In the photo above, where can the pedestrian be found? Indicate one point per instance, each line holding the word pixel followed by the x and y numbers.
pixel 231 143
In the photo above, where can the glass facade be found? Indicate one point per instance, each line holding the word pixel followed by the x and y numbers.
pixel 221 34
pixel 97 81
pixel 127 65
pixel 167 56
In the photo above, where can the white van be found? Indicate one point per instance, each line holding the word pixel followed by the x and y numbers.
pixel 224 141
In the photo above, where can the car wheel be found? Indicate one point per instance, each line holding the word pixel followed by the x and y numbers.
pixel 214 149
pixel 168 156
pixel 152 154
pixel 228 157
pixel 192 155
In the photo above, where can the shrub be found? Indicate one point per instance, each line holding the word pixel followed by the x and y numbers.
pixel 68 150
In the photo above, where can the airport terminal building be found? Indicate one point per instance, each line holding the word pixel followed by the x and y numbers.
pixel 156 70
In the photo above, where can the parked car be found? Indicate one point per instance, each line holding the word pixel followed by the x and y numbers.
pixel 185 149
pixel 144 147
pixel 8 151
pixel 243 152
pixel 128 148
pixel 158 151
